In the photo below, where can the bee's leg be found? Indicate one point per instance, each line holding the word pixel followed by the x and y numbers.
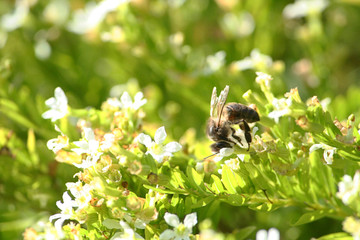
pixel 245 127
pixel 236 139
pixel 215 147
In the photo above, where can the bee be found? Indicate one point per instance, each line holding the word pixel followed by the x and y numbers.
pixel 222 119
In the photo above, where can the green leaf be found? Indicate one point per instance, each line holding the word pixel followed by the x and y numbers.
pixel 196 180
pixel 180 178
pixel 167 191
pixel 203 202
pixel 244 232
pixel 216 184
pixel 312 216
pixel 229 180
pixel 337 236
pixel 234 199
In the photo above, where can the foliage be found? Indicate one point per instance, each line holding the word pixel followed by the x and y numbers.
pixel 300 176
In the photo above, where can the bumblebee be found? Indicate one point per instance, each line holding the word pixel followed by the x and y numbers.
pixel 222 119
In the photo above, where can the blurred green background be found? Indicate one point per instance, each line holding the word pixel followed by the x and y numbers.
pixel 175 51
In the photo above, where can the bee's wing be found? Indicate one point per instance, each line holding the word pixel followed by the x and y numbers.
pixel 222 100
pixel 213 103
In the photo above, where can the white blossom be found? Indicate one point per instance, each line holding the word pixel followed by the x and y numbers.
pixel 57 104
pixel 80 192
pixel 328 151
pixel 302 8
pixel 58 143
pixel 181 230
pixel 127 231
pixel 66 212
pixel 92 15
pixel 126 101
pixel 16 19
pixel 224 152
pixel 256 60
pixel 281 108
pixel 349 188
pixel 89 146
pixel 215 62
pixel 156 148
pixel 272 234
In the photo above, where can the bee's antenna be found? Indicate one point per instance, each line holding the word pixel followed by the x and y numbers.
pixel 210 156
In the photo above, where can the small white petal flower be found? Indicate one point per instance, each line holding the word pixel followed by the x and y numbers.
pixel 302 8
pixel 172 219
pixel 156 148
pixel 328 151
pixel 58 143
pixel 58 106
pixel 126 101
pixel 160 135
pixel 181 230
pixel 281 108
pixel 215 62
pixel 349 188
pixel 144 139
pixel 272 234
pixel 67 211
pixel 256 60
pixel 127 231
pixel 89 146
pixel 224 152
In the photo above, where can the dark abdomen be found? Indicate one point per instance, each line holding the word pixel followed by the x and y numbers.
pixel 235 112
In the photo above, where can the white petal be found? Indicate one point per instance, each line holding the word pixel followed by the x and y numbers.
pixel 89 134
pixel 58 226
pixel 158 158
pixel 138 96
pixel 126 100
pixel 144 139
pixel 328 156
pixel 261 234
pixel 315 147
pixel 160 135
pixel 224 152
pixel 111 224
pixel 172 147
pixel 60 95
pixel 190 220
pixel 167 235
pixel 172 219
pixel 273 234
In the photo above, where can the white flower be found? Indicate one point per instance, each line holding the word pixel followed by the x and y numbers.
pixel 128 232
pixel 108 141
pixel 328 151
pixel 66 212
pixel 80 192
pixel 272 234
pixel 156 148
pixel 238 24
pixel 89 18
pixel 126 101
pixel 281 108
pixel 302 8
pixel 214 62
pixel 89 146
pixel 256 60
pixel 58 106
pixel 181 230
pixel 352 226
pixel 349 189
pixel 263 78
pixel 224 152
pixel 12 21
pixel 58 143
